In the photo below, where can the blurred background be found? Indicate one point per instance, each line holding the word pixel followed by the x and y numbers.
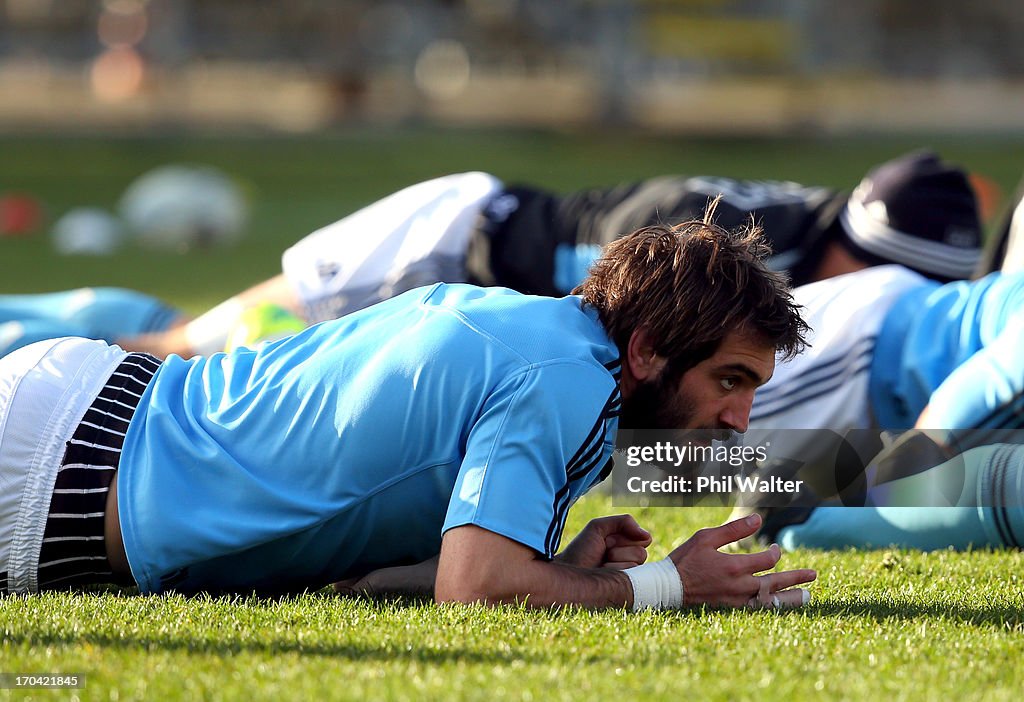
pixel 713 66
pixel 316 107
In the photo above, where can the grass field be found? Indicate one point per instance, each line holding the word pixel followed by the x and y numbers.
pixel 883 625
pixel 903 625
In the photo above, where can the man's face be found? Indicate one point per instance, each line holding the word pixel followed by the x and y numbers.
pixel 715 395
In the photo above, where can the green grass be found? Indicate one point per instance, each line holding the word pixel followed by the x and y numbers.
pixel 883 625
pixel 904 625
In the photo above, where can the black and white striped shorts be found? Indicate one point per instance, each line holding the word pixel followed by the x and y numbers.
pixel 74 549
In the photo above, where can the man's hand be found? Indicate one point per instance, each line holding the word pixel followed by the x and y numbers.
pixel 478 565
pixel 400 581
pixel 724 579
pixel 608 542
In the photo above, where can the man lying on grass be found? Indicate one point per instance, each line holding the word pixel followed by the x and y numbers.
pixel 452 426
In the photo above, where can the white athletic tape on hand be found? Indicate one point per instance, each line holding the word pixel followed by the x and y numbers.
pixel 656 585
pixel 759 602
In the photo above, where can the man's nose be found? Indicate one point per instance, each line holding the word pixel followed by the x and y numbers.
pixel 736 414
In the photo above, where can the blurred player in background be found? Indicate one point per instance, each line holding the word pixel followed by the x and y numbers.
pixel 892 351
pixel 472 227
pixel 973 499
pixel 93 313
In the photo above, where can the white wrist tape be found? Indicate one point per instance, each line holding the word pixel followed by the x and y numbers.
pixel 656 585
pixel 208 333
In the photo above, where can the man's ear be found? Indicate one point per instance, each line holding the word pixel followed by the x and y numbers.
pixel 642 361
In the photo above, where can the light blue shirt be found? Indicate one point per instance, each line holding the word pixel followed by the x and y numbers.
pixel 356 443
pixel 956 348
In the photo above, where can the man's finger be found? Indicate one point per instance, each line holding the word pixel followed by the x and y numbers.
pixel 758 562
pixel 619 540
pixel 733 531
pixel 789 578
pixel 624 526
pixel 626 554
pixel 620 565
pixel 619 523
pixel 790 599
pixel 783 599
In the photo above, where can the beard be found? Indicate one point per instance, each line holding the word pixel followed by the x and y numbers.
pixel 659 405
pixel 653 404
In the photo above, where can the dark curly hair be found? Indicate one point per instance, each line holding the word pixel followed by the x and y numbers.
pixel 691 285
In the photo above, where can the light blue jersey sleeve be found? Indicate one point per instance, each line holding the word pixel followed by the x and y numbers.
pixel 528 459
pixel 987 391
pixel 97 313
pixel 956 349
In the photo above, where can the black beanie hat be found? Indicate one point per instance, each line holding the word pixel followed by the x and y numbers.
pixel 918 212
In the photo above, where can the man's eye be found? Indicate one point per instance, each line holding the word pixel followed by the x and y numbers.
pixel 728 383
